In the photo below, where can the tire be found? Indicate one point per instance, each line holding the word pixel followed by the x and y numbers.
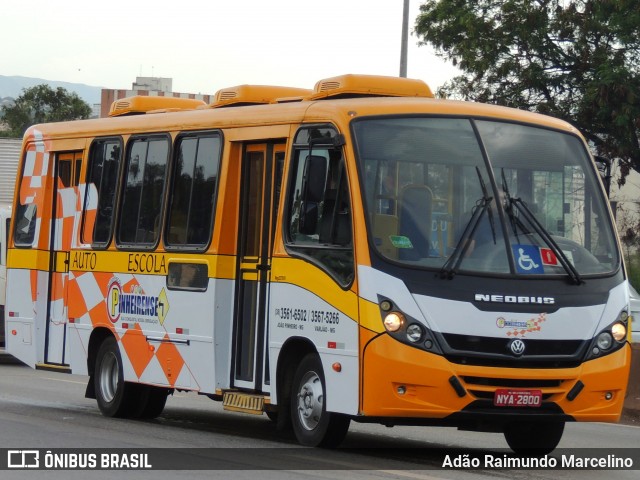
pixel 538 438
pixel 312 424
pixel 153 400
pixel 115 397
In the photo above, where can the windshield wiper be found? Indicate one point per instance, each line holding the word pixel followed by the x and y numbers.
pixel 542 232
pixel 450 267
pixel 514 220
pixel 488 199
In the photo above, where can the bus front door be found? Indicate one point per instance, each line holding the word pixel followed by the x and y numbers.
pixel 260 187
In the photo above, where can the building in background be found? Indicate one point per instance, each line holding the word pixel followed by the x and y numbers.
pixel 146 86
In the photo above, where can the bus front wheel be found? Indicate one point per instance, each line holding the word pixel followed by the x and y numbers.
pixel 312 424
pixel 533 437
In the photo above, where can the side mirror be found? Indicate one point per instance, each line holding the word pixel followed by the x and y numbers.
pixel 313 183
pixel 604 168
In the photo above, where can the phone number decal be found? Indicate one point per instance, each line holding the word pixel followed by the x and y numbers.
pixel 303 316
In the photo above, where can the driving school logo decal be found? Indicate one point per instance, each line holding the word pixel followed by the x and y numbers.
pixel 136 305
pixel 519 328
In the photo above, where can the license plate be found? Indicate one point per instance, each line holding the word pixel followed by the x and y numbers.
pixel 517 398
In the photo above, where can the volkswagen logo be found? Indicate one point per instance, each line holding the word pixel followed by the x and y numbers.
pixel 517 347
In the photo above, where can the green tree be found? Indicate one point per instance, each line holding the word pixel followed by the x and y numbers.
pixel 42 104
pixel 575 60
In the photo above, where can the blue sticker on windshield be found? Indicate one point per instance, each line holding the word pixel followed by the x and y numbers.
pixel 528 259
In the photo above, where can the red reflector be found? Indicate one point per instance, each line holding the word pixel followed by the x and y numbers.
pixel 72 320
pixel 179 331
pixel 14 332
pixel 125 325
pixel 331 345
pixel 13 314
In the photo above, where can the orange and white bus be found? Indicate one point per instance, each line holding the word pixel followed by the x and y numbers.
pixel 361 251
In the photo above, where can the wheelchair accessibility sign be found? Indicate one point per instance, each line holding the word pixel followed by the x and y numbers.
pixel 528 259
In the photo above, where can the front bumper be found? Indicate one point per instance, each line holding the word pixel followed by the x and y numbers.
pixel 399 381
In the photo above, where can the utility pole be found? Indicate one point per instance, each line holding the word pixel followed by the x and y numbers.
pixel 405 39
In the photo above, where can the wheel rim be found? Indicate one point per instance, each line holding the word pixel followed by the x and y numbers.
pixel 310 400
pixel 109 376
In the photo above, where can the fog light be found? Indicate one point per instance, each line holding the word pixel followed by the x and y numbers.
pixel 385 305
pixel 414 333
pixel 619 332
pixel 604 341
pixel 428 344
pixel 393 321
pixel 402 390
pixel 608 396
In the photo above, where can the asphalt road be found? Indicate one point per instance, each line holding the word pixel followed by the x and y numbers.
pixel 45 410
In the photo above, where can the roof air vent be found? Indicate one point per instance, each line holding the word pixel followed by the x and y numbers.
pixel 257 95
pixel 143 104
pixel 350 86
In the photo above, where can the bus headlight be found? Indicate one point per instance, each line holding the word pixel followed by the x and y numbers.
pixel 414 333
pixel 604 341
pixel 610 339
pixel 393 321
pixel 619 331
pixel 406 328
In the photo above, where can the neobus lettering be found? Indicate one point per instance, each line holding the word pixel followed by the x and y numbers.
pixel 84 261
pixel 146 263
pixel 481 297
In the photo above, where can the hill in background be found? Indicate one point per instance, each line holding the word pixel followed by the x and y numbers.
pixel 12 86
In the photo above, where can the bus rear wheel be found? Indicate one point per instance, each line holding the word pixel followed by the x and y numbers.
pixel 312 424
pixel 153 400
pixel 538 438
pixel 115 397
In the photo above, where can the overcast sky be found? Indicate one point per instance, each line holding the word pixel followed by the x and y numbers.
pixel 205 45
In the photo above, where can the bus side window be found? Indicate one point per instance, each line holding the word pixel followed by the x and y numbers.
pixel 188 276
pixel 141 208
pixel 319 224
pixel 193 190
pixel 102 182
pixel 25 224
pixel 29 196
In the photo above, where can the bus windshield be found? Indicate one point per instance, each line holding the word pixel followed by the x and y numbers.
pixel 458 195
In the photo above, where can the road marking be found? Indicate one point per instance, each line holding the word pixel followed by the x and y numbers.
pixel 402 473
pixel 359 466
pixel 67 381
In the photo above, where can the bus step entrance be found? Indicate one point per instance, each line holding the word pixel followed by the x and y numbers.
pixel 243 402
pixel 53 367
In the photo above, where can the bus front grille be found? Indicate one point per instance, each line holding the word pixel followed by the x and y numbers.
pixel 496 352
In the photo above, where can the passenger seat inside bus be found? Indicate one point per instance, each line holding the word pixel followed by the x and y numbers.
pixel 414 221
pixel 342 226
